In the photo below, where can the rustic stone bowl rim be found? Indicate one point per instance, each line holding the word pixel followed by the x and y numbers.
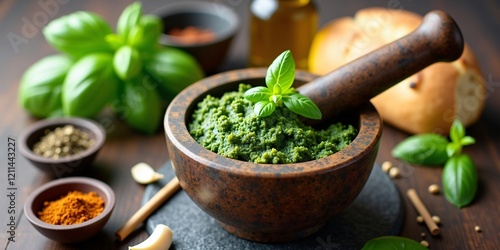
pixel 367 114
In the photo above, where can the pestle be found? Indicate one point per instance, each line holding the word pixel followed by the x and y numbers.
pixel 438 38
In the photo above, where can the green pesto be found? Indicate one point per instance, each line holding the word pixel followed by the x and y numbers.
pixel 229 127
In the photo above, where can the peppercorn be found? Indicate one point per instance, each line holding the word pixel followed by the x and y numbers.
pixel 433 189
pixel 420 219
pixel 394 173
pixel 436 219
pixel 386 166
pixel 424 243
pixel 62 142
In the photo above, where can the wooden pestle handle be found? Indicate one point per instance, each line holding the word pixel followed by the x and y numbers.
pixel 438 38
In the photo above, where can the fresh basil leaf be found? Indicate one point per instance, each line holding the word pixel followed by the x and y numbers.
pixel 114 41
pixel 459 180
pixel 467 140
pixel 144 36
pixel 290 91
pixel 279 80
pixel 142 106
pixel 41 85
pixel 423 149
pixel 277 99
pixel 393 243
pixel 89 85
pixel 116 104
pixel 174 70
pixel 453 148
pixel 258 93
pixel 127 62
pixel 277 90
pixel 57 113
pixel 302 105
pixel 264 108
pixel 457 131
pixel 129 18
pixel 78 34
pixel 281 71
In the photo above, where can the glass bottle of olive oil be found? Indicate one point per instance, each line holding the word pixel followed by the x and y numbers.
pixel 279 25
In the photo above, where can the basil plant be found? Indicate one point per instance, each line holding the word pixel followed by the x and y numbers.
pixel 128 71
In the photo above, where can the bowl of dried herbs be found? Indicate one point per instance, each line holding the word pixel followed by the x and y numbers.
pixel 62 147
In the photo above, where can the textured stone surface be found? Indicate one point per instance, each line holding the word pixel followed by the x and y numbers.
pixel 376 211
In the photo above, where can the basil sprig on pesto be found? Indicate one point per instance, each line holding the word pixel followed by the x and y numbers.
pixel 279 79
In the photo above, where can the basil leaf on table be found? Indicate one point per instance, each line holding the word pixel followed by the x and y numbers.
pixel 127 62
pixel 89 85
pixel 458 139
pixel 174 70
pixel 459 175
pixel 453 148
pixel 129 18
pixel 423 149
pixel 459 180
pixel 142 106
pixel 467 140
pixel 41 85
pixel 78 34
pixel 457 131
pixel 393 243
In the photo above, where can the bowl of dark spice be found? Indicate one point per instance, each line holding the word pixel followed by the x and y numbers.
pixel 70 209
pixel 203 29
pixel 62 147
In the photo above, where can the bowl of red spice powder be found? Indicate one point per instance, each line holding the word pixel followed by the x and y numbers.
pixel 70 209
pixel 203 29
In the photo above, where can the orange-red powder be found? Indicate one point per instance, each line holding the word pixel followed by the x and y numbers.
pixel 72 208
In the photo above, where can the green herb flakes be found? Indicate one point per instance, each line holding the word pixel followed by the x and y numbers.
pixel 229 127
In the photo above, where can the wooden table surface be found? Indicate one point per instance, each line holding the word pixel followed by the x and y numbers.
pixel 480 24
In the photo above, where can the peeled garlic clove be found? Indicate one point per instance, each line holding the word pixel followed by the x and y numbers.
pixel 161 238
pixel 144 174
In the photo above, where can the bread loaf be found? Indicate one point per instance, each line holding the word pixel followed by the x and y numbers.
pixel 429 100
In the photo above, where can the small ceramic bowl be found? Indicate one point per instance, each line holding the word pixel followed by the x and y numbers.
pixel 64 166
pixel 217 17
pixel 267 202
pixel 53 190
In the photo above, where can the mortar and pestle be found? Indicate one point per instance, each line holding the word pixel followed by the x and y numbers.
pixel 285 202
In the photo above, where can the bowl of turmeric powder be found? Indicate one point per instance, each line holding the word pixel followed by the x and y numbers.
pixel 70 209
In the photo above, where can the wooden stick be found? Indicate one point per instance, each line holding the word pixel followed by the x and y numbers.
pixel 159 198
pixel 419 205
